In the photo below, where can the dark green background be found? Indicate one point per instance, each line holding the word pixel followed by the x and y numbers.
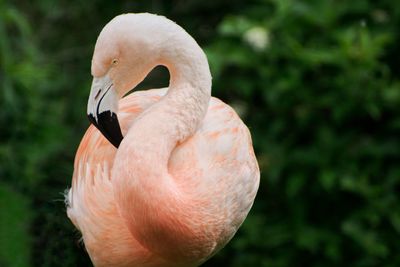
pixel 322 100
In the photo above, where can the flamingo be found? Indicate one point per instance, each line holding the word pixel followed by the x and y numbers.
pixel 163 177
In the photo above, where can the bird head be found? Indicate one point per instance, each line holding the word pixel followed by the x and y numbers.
pixel 124 53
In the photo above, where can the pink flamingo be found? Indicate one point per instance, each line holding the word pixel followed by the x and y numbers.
pixel 180 174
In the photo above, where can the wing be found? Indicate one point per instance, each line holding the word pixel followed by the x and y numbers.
pixel 218 164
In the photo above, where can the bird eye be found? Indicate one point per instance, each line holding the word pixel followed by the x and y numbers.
pixel 115 61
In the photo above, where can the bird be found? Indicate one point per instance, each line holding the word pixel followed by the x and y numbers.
pixel 162 177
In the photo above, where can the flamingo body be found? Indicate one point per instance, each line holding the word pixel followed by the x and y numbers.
pixel 158 203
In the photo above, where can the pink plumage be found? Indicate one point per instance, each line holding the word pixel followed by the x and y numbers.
pixel 184 175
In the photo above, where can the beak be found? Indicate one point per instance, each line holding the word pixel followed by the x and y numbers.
pixel 102 109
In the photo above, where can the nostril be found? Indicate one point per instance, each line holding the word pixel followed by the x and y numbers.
pixel 97 95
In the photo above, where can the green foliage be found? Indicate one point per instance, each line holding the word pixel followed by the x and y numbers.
pixel 317 82
pixel 15 214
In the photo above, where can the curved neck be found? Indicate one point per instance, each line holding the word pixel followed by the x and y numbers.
pixel 187 64
pixel 148 197
pixel 186 101
pixel 190 86
pixel 177 115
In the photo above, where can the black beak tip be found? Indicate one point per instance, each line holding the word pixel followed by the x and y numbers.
pixel 108 124
pixel 92 120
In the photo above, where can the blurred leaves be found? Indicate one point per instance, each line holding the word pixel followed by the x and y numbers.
pixel 15 216
pixel 322 118
pixel 317 82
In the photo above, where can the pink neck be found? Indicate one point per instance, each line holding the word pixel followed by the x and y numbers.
pixel 148 197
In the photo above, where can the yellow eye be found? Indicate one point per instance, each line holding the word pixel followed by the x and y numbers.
pixel 115 61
